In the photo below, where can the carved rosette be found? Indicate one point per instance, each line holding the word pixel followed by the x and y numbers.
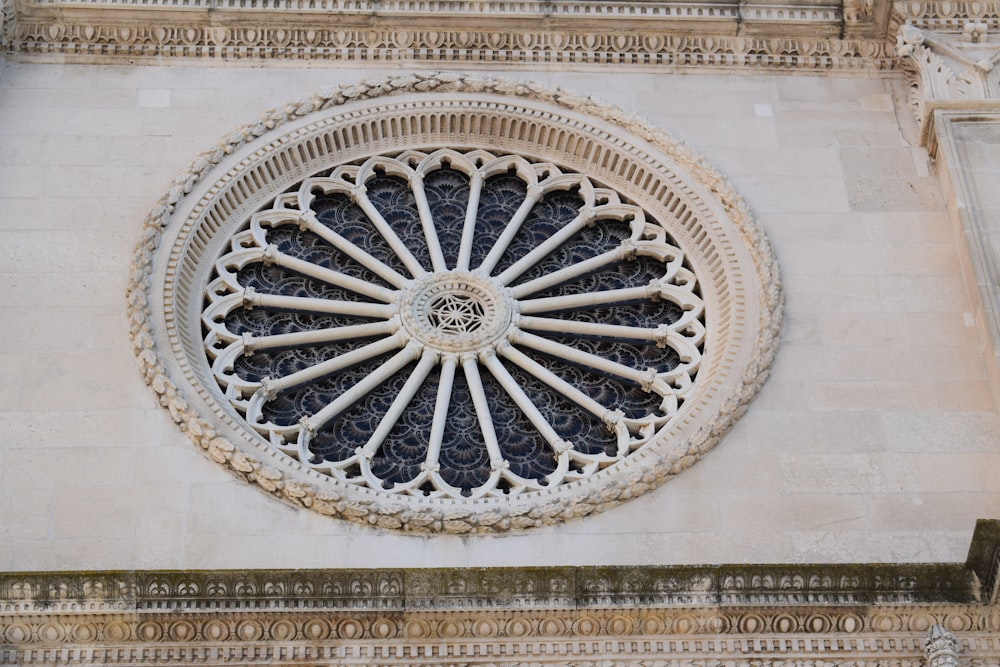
pixel 473 317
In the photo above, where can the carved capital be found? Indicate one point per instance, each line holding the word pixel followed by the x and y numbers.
pixel 941 648
pixel 955 67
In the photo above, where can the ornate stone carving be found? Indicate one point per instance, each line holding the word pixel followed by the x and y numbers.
pixel 788 616
pixel 952 67
pixel 603 490
pixel 793 35
pixel 941 648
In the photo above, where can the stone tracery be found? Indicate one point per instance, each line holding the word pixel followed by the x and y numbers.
pixel 472 367
pixel 659 178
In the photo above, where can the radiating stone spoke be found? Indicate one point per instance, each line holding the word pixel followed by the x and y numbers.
pixel 662 335
pixel 427 361
pixel 647 378
pixel 272 255
pixel 440 318
pixel 253 299
pixel 270 387
pixel 318 336
pixel 363 258
pixel 566 274
pixel 427 222
pixel 612 418
pixel 385 371
pixel 527 407
pixel 496 252
pixel 547 246
pixel 469 227
pixel 440 419
pixel 582 300
pixel 483 412
pixel 380 224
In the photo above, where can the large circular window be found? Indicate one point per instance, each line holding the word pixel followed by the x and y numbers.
pixel 449 304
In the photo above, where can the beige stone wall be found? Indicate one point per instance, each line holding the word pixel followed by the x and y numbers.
pixel 876 438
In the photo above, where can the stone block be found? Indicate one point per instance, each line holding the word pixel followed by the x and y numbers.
pixel 941 472
pixel 793 194
pixel 89 429
pixel 33 465
pixel 204 551
pixel 27 514
pixel 58 97
pixel 867 330
pixel 827 89
pixel 61 289
pixel 156 538
pixel 918 226
pixel 69 122
pixel 831 473
pixel 884 395
pixel 806 226
pixel 22 180
pixel 68 553
pixel 874 163
pixel 914 511
pixel 153 98
pixel 845 294
pixel 826 432
pixel 964 395
pixel 793 512
pixel 862 546
pixel 923 294
pixel 94 511
pixel 896 194
pixel 815 161
pixel 227 508
pixel 83 380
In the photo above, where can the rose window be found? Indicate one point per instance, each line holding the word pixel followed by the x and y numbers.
pixel 454 324
pixel 445 303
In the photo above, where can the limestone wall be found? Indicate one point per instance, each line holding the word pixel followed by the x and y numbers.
pixel 875 439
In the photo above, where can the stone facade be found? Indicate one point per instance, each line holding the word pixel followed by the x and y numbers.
pixel 860 137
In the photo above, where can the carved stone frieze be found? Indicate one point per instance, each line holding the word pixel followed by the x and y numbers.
pixel 946 16
pixel 763 616
pixel 816 36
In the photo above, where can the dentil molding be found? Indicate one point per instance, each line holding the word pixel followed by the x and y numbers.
pixel 815 35
pixel 935 615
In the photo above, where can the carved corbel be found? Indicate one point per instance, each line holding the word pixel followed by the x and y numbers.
pixel 941 648
pixel 949 70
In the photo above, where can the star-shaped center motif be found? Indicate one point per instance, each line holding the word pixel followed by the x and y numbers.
pixel 456 314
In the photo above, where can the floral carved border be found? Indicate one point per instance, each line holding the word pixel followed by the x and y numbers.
pixel 761 616
pixel 454 518
pixel 794 35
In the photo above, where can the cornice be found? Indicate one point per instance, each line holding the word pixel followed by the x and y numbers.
pixel 764 616
pixel 814 35
pixel 868 615
pixel 448 589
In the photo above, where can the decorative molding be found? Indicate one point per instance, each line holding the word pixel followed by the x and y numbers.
pixel 450 589
pixel 946 15
pixel 941 648
pixel 949 70
pixel 713 221
pixel 762 616
pixel 793 35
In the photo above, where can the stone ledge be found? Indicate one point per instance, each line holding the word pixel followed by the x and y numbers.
pixel 491 588
pixel 819 35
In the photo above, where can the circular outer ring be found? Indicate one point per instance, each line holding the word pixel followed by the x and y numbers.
pixel 192 222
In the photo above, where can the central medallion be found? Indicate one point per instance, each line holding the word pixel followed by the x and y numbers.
pixel 456 311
